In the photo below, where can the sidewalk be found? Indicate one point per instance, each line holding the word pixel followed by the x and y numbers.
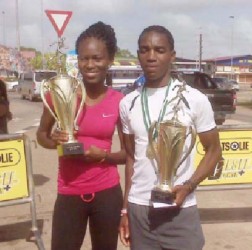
pixel 226 215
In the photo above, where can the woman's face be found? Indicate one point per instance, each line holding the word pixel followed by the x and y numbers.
pixel 93 60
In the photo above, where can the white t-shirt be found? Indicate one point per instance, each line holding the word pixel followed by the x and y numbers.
pixel 199 115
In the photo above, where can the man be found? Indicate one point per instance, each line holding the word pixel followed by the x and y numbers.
pixel 176 227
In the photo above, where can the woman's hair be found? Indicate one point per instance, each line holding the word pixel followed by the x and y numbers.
pixel 102 32
pixel 161 30
pixel 3 91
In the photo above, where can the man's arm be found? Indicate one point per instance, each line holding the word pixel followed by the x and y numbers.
pixel 211 144
pixel 124 224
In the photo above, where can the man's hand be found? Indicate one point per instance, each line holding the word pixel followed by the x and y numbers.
pixel 180 192
pixel 124 230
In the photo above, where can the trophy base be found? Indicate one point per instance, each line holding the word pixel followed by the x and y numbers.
pixel 68 149
pixel 158 195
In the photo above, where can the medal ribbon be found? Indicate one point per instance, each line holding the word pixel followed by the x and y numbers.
pixel 145 108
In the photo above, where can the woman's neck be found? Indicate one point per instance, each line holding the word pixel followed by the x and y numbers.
pixel 95 93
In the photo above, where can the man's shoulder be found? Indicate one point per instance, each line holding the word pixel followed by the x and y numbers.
pixel 195 94
pixel 131 96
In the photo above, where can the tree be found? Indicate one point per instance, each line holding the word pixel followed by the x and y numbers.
pixel 50 62
pixel 124 53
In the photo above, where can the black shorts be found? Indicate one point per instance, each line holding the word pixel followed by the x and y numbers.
pixel 72 213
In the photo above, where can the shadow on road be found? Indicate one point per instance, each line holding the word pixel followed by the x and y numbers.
pixel 228 215
pixel 21 230
pixel 40 179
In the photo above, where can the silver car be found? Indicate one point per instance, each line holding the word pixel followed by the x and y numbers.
pixel 29 83
pixel 234 85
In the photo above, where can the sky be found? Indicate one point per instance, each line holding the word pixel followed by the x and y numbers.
pixel 225 25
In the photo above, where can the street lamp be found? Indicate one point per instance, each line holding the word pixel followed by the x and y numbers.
pixel 232 44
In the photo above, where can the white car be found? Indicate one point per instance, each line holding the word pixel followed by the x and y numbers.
pixel 11 84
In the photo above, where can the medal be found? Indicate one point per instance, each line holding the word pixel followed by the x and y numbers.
pixel 147 119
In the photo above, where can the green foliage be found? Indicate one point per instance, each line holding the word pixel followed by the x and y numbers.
pixel 50 62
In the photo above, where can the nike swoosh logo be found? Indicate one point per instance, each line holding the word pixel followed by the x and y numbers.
pixel 107 115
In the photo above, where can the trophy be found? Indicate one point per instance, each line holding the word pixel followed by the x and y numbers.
pixel 167 150
pixel 68 96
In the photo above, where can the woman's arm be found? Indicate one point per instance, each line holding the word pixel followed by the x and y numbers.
pixel 44 130
pixel 95 154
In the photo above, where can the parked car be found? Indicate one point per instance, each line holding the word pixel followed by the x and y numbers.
pixel 29 83
pixel 223 99
pixel 11 83
pixel 234 85
pixel 222 82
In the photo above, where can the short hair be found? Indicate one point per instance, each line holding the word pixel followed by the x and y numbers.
pixel 161 30
pixel 103 32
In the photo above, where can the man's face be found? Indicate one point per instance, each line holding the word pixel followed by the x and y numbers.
pixel 155 56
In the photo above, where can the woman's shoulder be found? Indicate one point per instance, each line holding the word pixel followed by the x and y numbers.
pixel 115 94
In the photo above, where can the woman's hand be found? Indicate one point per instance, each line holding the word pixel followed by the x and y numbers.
pixel 94 154
pixel 59 136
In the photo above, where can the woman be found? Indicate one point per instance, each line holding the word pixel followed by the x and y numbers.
pixel 88 186
pixel 5 114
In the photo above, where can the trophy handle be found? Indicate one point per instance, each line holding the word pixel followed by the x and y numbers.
pixel 44 86
pixel 193 139
pixel 83 97
pixel 151 142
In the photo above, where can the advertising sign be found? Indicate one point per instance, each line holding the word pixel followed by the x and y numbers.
pixel 236 167
pixel 13 171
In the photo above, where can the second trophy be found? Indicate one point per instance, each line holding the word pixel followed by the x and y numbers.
pixel 168 153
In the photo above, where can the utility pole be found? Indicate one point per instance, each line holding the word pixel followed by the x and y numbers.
pixel 200 52
pixel 42 35
pixel 232 45
pixel 4 40
pixel 17 27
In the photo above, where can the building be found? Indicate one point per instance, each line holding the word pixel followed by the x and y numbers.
pixel 238 68
pixel 12 60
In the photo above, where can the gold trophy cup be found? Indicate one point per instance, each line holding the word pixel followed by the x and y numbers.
pixel 64 92
pixel 168 152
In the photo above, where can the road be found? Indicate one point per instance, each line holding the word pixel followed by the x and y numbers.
pixel 226 215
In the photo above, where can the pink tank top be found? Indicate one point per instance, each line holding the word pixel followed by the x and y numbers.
pixel 96 127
